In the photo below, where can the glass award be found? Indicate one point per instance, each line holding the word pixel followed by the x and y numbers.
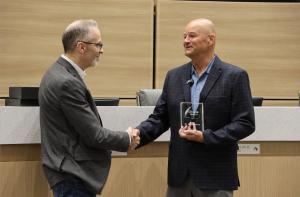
pixel 192 112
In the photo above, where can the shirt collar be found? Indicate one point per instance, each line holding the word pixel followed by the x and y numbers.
pixel 208 68
pixel 81 72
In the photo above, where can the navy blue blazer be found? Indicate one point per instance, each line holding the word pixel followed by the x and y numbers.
pixel 228 117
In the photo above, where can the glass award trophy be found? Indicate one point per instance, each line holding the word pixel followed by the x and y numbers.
pixel 192 112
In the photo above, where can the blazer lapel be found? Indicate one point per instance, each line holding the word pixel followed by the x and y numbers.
pixel 93 105
pixel 70 68
pixel 187 75
pixel 213 76
pixel 89 97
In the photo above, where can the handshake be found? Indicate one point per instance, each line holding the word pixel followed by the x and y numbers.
pixel 134 135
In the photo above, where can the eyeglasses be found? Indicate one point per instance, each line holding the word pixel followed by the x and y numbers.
pixel 99 45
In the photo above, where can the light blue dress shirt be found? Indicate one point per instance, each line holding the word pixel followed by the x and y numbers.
pixel 199 82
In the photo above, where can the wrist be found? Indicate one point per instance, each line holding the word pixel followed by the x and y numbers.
pixel 200 136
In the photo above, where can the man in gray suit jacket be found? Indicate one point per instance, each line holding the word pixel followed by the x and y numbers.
pixel 76 149
pixel 202 163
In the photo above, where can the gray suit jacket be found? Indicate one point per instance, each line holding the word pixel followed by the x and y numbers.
pixel 74 143
pixel 228 117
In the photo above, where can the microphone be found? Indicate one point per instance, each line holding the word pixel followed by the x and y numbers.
pixel 189 82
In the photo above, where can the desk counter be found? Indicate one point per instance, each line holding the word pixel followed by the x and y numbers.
pixel 20 125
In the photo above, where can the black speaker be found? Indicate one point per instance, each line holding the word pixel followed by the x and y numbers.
pixel 22 96
pixel 107 101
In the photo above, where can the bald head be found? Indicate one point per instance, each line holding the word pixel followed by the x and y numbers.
pixel 199 39
pixel 203 25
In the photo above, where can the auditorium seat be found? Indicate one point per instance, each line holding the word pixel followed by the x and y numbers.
pixel 149 97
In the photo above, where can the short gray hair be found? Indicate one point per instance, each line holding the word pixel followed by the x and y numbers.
pixel 76 31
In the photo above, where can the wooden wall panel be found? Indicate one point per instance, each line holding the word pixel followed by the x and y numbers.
pixel 280 103
pixel 137 177
pixel 270 176
pixel 22 178
pixel 263 38
pixel 127 102
pixel 30 36
pixel 143 173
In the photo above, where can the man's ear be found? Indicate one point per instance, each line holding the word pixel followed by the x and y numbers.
pixel 80 47
pixel 212 38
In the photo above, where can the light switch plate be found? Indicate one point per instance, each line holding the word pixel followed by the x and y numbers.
pixel 249 149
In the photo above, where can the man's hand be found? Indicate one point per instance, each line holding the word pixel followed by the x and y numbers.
pixel 189 132
pixel 134 136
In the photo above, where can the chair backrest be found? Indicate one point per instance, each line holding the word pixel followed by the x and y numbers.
pixel 147 97
pixel 257 101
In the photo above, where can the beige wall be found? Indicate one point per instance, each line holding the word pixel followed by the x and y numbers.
pixel 263 38
pixel 30 36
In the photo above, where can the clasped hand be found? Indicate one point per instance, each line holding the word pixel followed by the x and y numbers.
pixel 189 132
pixel 134 136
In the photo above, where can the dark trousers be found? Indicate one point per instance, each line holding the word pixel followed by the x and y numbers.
pixel 188 189
pixel 73 187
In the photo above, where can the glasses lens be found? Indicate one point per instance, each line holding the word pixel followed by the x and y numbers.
pixel 100 45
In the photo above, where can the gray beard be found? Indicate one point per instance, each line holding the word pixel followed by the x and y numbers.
pixel 95 63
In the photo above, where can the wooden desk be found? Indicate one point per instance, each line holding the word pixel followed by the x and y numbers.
pixel 273 172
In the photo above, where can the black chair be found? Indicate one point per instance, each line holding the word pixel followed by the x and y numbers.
pixel 257 101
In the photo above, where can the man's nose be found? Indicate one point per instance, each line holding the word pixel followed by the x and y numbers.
pixel 187 39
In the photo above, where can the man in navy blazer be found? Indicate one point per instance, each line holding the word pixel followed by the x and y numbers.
pixel 76 148
pixel 203 163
